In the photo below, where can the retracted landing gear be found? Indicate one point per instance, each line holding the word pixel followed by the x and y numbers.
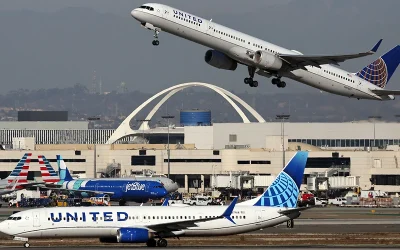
pixel 155 41
pixel 249 80
pixel 290 223
pixel 278 82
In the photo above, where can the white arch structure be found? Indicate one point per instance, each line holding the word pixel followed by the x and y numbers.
pixel 125 130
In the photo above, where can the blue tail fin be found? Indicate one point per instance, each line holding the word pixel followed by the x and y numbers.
pixel 285 190
pixel 63 170
pixel 380 71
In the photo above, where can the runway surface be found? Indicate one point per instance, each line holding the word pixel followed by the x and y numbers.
pixel 217 248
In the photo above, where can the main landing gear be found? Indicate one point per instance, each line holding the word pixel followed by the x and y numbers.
pixel 158 243
pixel 249 80
pixel 278 82
pixel 26 244
pixel 155 41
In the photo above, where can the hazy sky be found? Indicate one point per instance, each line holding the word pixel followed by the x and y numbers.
pixel 47 44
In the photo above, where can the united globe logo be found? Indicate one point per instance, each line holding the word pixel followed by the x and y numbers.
pixel 375 73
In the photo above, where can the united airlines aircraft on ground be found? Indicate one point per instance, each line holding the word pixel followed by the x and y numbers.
pixel 122 189
pixel 231 47
pixel 153 224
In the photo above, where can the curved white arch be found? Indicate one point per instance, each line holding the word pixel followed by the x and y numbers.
pixel 124 129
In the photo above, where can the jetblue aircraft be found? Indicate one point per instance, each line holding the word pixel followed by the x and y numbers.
pixel 153 224
pixel 231 47
pixel 134 189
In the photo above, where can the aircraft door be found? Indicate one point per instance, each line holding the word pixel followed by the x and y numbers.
pixel 147 188
pixel 36 219
pixel 259 216
pixel 210 27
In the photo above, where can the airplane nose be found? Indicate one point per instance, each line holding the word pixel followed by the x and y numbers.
pixel 172 187
pixel 135 14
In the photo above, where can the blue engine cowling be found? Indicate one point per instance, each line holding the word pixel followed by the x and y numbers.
pixel 133 235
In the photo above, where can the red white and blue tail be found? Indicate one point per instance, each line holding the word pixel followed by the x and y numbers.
pixel 20 172
pixel 49 175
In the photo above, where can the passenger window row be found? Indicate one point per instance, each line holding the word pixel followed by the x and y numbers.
pixel 14 218
pixel 228 35
pixel 337 75
pixel 187 20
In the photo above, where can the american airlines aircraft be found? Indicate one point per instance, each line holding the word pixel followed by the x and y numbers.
pixel 138 189
pixel 231 47
pixel 278 204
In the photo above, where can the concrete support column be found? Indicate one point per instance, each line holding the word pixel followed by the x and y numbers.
pixel 186 183
pixel 202 183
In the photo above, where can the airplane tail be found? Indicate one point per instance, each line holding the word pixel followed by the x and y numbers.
pixel 20 172
pixel 381 70
pixel 284 191
pixel 49 175
pixel 63 170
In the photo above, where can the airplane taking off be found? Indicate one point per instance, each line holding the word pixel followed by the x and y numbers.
pixel 231 47
pixel 18 179
pixel 138 224
pixel 138 189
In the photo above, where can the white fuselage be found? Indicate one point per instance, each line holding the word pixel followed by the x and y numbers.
pixel 54 222
pixel 236 44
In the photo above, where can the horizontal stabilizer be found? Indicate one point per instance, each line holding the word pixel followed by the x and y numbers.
pixel 384 92
pixel 292 210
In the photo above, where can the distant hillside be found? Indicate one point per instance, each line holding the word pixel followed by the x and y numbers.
pixel 114 107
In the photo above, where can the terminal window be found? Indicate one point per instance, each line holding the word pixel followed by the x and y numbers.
pixel 143 160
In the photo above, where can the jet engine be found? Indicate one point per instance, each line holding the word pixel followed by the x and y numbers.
pixel 133 235
pixel 268 61
pixel 220 60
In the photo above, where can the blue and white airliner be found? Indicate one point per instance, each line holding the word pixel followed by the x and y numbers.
pixel 138 189
pixel 153 224
pixel 231 47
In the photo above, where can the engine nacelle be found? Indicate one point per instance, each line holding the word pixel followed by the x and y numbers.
pixel 133 235
pixel 220 60
pixel 266 60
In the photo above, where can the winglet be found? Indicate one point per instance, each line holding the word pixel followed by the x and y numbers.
pixel 375 48
pixel 165 202
pixel 228 211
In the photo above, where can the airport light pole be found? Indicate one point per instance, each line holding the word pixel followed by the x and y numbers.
pixel 374 117
pixel 94 119
pixel 167 117
pixel 282 118
pixel 142 121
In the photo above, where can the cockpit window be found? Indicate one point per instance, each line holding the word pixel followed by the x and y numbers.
pixel 147 7
pixel 14 218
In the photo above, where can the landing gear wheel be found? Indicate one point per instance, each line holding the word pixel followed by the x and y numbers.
pixel 151 243
pixel 26 244
pixel 290 224
pixel 162 243
pixel 122 202
pixel 247 80
pixel 255 84
pixel 156 42
pixel 283 84
pixel 275 81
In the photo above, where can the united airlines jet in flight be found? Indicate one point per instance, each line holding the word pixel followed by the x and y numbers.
pixel 231 47
pixel 153 224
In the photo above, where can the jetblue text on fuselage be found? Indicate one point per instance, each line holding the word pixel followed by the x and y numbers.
pixel 135 186
pixel 88 216
pixel 188 16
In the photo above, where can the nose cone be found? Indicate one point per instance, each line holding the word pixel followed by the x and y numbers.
pixel 136 14
pixel 172 187
pixel 4 227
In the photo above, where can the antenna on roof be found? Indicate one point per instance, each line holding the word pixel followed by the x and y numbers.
pixel 211 20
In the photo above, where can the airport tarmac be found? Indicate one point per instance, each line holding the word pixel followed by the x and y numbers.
pixel 221 247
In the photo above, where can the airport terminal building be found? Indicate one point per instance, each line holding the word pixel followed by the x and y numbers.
pixel 206 156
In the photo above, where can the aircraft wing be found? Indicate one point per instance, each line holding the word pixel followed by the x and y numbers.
pixel 178 225
pixel 385 92
pixel 74 190
pixel 300 61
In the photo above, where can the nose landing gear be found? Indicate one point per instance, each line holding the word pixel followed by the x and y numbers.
pixel 155 41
